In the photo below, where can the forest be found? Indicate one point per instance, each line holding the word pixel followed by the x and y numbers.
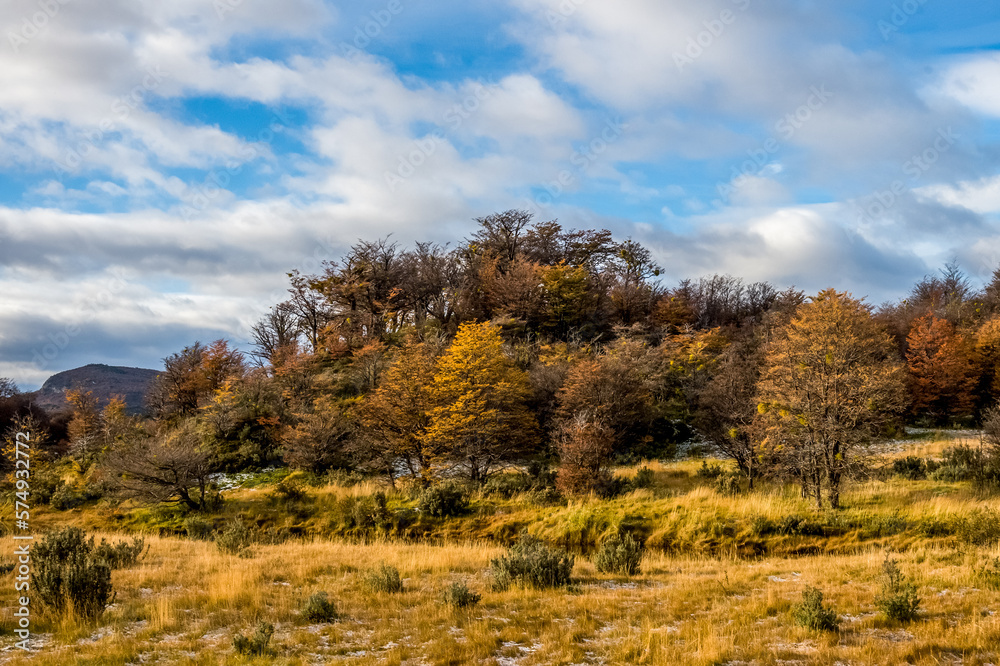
pixel 540 389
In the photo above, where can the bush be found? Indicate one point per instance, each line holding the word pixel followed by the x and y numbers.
pixel 643 478
pixel 910 467
pixel 898 599
pixel 507 485
pixel 460 596
pixel 121 555
pixel 812 614
pixel 371 512
pixel 197 527
pixel 289 491
pixel 951 474
pixel 546 497
pixel 67 576
pixel 319 608
pixel 443 500
pixel 988 573
pixel 979 527
pixel 257 644
pixel 707 471
pixel 533 564
pixel 236 539
pixel 619 553
pixel 65 497
pixel 384 578
pixel 728 484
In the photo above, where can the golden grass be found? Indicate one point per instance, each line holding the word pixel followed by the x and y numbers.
pixel 698 600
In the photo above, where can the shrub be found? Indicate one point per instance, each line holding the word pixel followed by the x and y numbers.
pixel 371 511
pixel 988 574
pixel 460 596
pixel 384 578
pixel 256 644
pixel 289 490
pixel 898 599
pixel 236 539
pixel 533 564
pixel 66 497
pixel 67 576
pixel 619 553
pixel 910 467
pixel 507 485
pixel 319 608
pixel 443 500
pixel 951 474
pixel 812 614
pixel 728 484
pixel 121 555
pixel 643 478
pixel 707 471
pixel 546 497
pixel 197 527
pixel 979 527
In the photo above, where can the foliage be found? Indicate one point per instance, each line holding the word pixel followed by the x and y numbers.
pixel 257 644
pixel 942 369
pixel 319 608
pixel 383 578
pixel 812 614
pixel 121 555
pixel 532 564
pixel 619 553
pixel 830 384
pixel 197 527
pixel 66 575
pixel 898 599
pixel 443 500
pixel 910 467
pixel 236 539
pixel 585 447
pixel 458 595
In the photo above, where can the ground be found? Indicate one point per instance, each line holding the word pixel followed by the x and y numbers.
pixel 718 583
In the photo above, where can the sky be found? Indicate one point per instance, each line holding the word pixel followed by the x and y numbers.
pixel 165 165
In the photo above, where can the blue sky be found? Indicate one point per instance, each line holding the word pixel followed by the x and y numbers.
pixel 165 165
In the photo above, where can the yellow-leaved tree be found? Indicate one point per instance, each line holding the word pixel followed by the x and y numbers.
pixel 480 422
pixel 831 382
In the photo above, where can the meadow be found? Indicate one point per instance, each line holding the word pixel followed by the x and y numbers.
pixel 720 577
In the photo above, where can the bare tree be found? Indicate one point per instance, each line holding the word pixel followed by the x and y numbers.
pixel 276 332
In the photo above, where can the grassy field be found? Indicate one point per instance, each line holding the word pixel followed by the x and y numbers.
pixel 719 579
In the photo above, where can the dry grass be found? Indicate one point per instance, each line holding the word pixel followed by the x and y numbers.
pixel 693 605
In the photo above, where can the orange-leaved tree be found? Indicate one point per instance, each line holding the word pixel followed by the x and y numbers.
pixel 942 369
pixel 831 383
pixel 480 422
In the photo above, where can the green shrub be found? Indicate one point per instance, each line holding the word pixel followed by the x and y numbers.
pixel 898 599
pixel 619 553
pixel 383 578
pixel 371 512
pixel 197 527
pixel 794 526
pixel 988 574
pixel 65 574
pixel 289 490
pixel 707 471
pixel 546 497
pixel 811 613
pixel 236 539
pixel 507 485
pixel 443 500
pixel 460 596
pixel 66 497
pixel 643 478
pixel 121 555
pixel 979 527
pixel 728 484
pixel 255 645
pixel 951 473
pixel 319 608
pixel 533 564
pixel 910 467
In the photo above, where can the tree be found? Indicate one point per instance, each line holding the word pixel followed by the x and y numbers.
pixel 585 446
pixel 171 466
pixel 831 383
pixel 275 336
pixel 480 422
pixel 942 369
pixel 727 407
pixel 394 418
pixel 321 439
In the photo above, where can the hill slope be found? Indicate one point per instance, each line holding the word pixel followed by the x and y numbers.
pixel 104 380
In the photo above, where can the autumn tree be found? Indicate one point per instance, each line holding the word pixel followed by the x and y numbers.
pixel 321 439
pixel 480 422
pixel 193 375
pixel 174 465
pixel 831 383
pixel 275 336
pixel 84 427
pixel 942 369
pixel 395 417
pixel 585 445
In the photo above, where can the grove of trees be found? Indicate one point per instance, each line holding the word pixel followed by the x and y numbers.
pixel 529 343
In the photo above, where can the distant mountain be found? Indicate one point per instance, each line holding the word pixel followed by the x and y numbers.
pixel 104 381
